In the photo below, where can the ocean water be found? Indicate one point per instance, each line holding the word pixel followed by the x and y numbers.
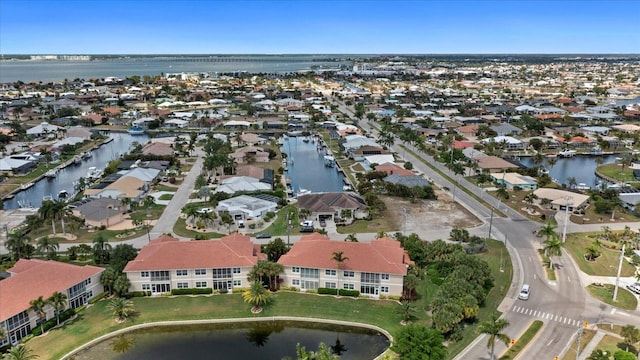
pixel 47 71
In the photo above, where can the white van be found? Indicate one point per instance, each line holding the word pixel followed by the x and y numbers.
pixel 524 292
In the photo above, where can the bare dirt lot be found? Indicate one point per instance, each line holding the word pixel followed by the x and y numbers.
pixel 425 216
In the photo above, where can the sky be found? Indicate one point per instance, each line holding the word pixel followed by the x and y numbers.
pixel 319 27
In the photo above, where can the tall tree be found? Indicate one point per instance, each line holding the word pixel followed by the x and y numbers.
pixel 101 249
pixel 48 246
pixel 493 327
pixel 630 334
pixel 108 278
pixel 257 296
pixel 275 248
pixel 340 259
pixel 417 342
pixel 59 301
pixel 37 306
pixel 552 247
pixel 121 308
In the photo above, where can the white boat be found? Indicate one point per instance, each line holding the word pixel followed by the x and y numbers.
pixel 329 161
pixel 51 174
pixel 94 173
pixel 567 153
pixel 346 188
pixel 85 155
pixel 303 192
pixel 136 130
pixel 63 194
pixel 583 186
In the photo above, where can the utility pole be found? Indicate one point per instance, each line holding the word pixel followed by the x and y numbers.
pixel 615 289
pixel 490 222
pixel 566 219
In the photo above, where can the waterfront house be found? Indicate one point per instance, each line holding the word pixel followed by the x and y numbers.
pixel 99 212
pixel 562 198
pixel 246 207
pixel 250 154
pixel 373 268
pixel 234 184
pixel 512 180
pixel 33 278
pixel 393 168
pixel 492 163
pixel 167 263
pixel 331 205
pixel 43 130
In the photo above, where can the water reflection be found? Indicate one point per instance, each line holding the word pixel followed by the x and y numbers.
pixel 122 344
pixel 259 333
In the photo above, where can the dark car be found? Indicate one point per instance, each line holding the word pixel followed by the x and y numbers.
pixel 263 236
pixel 304 229
pixel 323 223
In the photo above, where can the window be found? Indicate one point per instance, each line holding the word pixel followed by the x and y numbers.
pixel 181 272
pixel 223 273
pixel 201 284
pixel 201 271
pixel 309 284
pixel 371 278
pixel 88 281
pixel 237 283
pixel 183 285
pixel 348 286
pixel 144 274
pixel 310 273
pixel 369 289
pixel 147 287
pixel 219 285
pixel 160 275
pixel 330 285
pixel 295 282
pixel 236 270
pixel 295 269
pixel 330 272
pixel 348 274
pixel 384 289
pixel 384 276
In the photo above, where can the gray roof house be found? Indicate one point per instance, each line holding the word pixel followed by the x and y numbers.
pixel 407 180
pixel 506 129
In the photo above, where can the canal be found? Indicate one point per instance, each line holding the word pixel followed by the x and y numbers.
pixel 306 166
pixel 264 340
pixel 65 179
pixel 582 168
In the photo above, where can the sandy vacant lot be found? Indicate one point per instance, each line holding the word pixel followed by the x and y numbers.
pixel 425 216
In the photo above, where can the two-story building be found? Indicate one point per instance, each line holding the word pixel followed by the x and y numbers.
pixel 33 278
pixel 374 268
pixel 167 263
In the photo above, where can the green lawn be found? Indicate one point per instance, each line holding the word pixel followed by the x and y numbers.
pixel 180 229
pixel 165 188
pixel 617 172
pixel 610 344
pixel 366 226
pixel 605 265
pixel 279 226
pixel 625 300
pixel 97 321
pixel 166 197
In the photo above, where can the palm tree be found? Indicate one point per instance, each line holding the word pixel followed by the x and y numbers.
pixel 191 212
pixel 494 327
pixel 49 246
pixel 108 278
pixel 529 199
pixel 257 296
pixel 591 252
pixel 121 308
pixel 339 258
pixel 59 301
pixel 351 237
pixel 548 231
pixel 47 211
pixel 19 352
pixel 599 354
pixel 552 247
pixel 38 305
pixel 631 335
pixel 410 283
pixel 381 234
pixel 101 248
pixel 407 310
pixel 17 244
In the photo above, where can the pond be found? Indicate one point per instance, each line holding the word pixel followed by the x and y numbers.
pixel 237 341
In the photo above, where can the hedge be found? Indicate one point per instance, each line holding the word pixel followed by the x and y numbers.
pixel 65 315
pixel 137 294
pixel 97 298
pixel 192 291
pixel 343 292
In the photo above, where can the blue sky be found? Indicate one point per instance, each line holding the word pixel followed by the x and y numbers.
pixel 318 27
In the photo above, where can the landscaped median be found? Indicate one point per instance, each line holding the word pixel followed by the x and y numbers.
pixel 522 341
pixel 97 321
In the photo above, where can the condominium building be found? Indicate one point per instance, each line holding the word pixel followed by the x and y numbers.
pixel 167 263
pixel 33 278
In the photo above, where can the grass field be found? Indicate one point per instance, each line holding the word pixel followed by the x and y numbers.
pixel 625 299
pixel 180 229
pixel 605 265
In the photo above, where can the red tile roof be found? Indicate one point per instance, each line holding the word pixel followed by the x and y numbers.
pixel 33 278
pixel 167 253
pixel 457 144
pixel 380 256
pixel 391 168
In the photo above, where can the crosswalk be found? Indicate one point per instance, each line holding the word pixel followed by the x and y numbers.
pixel 546 316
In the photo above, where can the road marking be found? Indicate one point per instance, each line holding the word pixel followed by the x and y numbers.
pixel 535 277
pixel 613 310
pixel 555 318
pixel 550 341
pixel 548 315
pixel 568 279
pixel 515 308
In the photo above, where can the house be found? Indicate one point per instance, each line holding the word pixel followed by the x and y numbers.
pixel 33 278
pixel 360 153
pixel 373 268
pixel 246 207
pixel 506 129
pixel 369 160
pixel 630 199
pixel 124 187
pixel 100 211
pixel 393 168
pixel 236 184
pixel 510 143
pixel 12 166
pixel 512 180
pixel 157 148
pixel 561 198
pixel 493 164
pixel 167 263
pixel 250 154
pixel 331 205
pixel 43 130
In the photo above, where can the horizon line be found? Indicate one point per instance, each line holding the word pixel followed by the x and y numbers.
pixel 313 54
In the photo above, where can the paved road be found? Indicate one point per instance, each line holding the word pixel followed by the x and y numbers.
pixel 562 304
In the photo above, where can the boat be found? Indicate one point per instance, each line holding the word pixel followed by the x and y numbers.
pixel 63 194
pixel 583 186
pixel 51 174
pixel 551 156
pixel 567 153
pixel 77 160
pixel 27 185
pixel 303 192
pixel 346 188
pixel 85 155
pixel 329 161
pixel 136 130
pixel 305 139
pixel 94 173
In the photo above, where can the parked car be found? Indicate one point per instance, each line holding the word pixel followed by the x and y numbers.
pixel 634 288
pixel 205 210
pixel 323 223
pixel 305 229
pixel 263 236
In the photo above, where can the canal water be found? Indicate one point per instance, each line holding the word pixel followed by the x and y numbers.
pixel 65 179
pixel 582 168
pixel 306 168
pixel 265 340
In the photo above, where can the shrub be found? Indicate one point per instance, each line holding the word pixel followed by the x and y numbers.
pixel 224 291
pixel 327 291
pixel 352 293
pixel 192 291
pixel 239 290
pixel 289 288
pixel 137 294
